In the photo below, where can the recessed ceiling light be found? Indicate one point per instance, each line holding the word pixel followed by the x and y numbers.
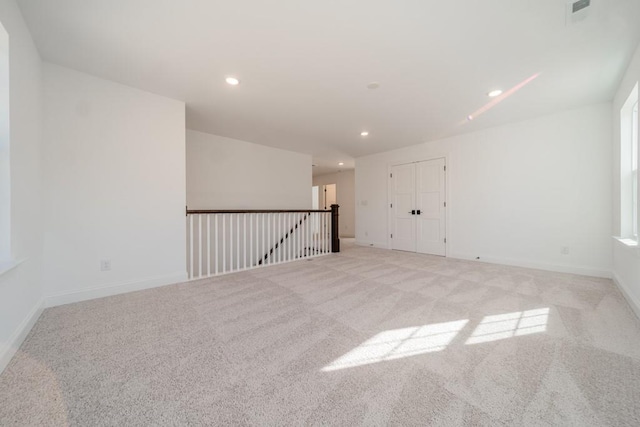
pixel 373 85
pixel 232 81
pixel 495 93
pixel 341 164
pixel 364 133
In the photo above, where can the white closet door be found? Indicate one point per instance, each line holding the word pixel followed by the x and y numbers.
pixel 430 194
pixel 403 184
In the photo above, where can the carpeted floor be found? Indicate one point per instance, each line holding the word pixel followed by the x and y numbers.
pixel 366 337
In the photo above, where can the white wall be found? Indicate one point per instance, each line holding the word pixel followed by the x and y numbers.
pixel 225 173
pixel 114 173
pixel 21 287
pixel 517 194
pixel 346 198
pixel 626 259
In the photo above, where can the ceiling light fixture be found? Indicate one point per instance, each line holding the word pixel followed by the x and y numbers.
pixel 364 133
pixel 232 81
pixel 341 164
pixel 494 93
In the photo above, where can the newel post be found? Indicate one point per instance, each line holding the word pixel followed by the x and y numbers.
pixel 335 240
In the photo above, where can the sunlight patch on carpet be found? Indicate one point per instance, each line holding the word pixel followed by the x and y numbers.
pixel 399 343
pixel 503 326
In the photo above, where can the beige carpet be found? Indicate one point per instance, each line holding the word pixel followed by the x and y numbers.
pixel 366 337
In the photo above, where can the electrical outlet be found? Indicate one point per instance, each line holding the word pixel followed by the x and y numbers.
pixel 105 265
pixel 564 250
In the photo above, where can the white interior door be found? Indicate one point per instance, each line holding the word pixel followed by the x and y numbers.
pixel 430 207
pixel 418 207
pixel 330 196
pixel 403 182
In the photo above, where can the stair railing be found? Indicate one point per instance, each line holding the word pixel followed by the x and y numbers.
pixel 225 241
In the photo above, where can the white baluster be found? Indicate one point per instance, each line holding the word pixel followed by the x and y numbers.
pixel 327 232
pixel 302 234
pixel 224 243
pixel 199 245
pixel 296 241
pixel 305 249
pixel 191 245
pixel 278 234
pixel 319 218
pixel 208 244
pixel 276 222
pixel 265 236
pixel 292 230
pixel 286 230
pixel 309 233
pixel 216 237
pixel 269 225
pixel 263 233
pixel 324 233
pixel 238 242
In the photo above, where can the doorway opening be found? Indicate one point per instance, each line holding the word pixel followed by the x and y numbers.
pixel 329 196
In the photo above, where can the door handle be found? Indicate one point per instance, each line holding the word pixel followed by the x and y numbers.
pixel 413 212
pixel 418 211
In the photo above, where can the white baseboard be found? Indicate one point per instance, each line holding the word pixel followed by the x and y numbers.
pixel 633 302
pixel 583 271
pixel 18 336
pixel 114 289
pixel 371 244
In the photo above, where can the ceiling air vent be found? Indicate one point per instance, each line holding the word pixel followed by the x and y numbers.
pixel 579 5
pixel 577 10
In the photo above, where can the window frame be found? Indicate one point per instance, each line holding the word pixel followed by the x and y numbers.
pixel 634 170
pixel 629 160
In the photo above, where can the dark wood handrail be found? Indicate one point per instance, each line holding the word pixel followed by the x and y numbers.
pixel 236 211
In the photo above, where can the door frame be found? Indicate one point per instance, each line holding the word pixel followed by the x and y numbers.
pixel 447 195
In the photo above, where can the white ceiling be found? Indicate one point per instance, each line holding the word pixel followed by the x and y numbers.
pixel 304 65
